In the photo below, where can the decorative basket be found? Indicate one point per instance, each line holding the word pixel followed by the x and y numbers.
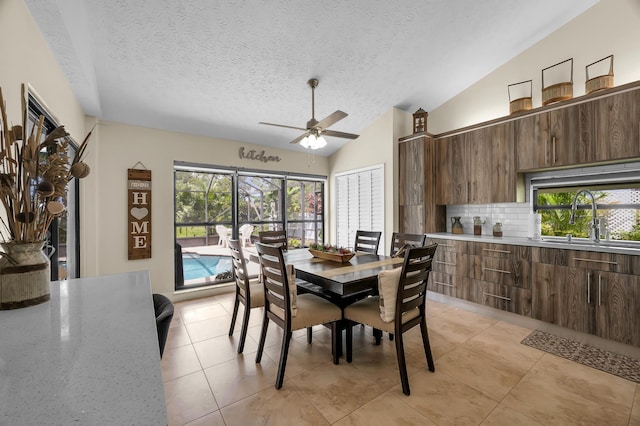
pixel 559 91
pixel 522 103
pixel 600 82
pixel 336 257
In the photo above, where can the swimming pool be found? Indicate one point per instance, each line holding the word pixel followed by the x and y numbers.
pixel 198 266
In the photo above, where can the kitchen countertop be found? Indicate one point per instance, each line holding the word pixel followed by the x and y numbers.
pixel 559 243
pixel 87 356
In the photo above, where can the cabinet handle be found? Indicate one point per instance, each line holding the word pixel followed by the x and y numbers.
pixel 496 270
pixel 589 288
pixel 445 284
pixel 508 299
pixel 497 251
pixel 599 289
pixel 553 146
pixel 439 262
pixel 608 262
pixel 546 151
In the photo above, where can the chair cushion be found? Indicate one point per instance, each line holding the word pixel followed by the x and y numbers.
pixel 367 312
pixel 312 310
pixel 293 290
pixel 388 291
pixel 257 295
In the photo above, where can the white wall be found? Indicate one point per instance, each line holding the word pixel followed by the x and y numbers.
pixel 609 27
pixel 377 144
pixel 120 148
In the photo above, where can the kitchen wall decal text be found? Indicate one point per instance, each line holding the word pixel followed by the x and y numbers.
pixel 252 154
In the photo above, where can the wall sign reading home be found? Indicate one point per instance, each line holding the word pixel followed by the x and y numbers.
pixel 252 154
pixel 139 205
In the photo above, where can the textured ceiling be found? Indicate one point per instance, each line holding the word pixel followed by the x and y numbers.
pixel 217 68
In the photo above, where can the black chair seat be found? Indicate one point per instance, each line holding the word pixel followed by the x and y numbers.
pixel 164 314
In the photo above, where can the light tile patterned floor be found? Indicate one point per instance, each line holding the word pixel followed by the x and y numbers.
pixel 483 376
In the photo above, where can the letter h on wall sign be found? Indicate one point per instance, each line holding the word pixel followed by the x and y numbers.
pixel 139 216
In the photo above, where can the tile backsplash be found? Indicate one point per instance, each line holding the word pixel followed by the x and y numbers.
pixel 514 217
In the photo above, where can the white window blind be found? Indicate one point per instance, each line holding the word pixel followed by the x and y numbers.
pixel 359 204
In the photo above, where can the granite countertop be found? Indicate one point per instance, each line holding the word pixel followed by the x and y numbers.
pixel 88 356
pixel 550 242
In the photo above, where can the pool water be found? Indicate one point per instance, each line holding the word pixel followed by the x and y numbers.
pixel 196 266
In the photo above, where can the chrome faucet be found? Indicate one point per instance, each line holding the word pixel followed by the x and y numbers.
pixel 595 223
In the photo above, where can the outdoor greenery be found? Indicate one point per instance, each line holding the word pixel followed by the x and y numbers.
pixel 556 222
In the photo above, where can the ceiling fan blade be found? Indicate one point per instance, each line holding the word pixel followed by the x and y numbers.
pixel 299 138
pixel 339 134
pixel 282 125
pixel 331 119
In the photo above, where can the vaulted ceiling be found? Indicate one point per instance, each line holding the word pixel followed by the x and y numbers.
pixel 217 68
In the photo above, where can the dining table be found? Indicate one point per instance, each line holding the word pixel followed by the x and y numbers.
pixel 339 282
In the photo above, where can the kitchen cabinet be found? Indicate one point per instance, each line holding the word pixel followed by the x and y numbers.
pixel 555 138
pixel 450 268
pixel 477 167
pixel 617 126
pixel 452 170
pixel 500 276
pixel 588 292
pixel 417 210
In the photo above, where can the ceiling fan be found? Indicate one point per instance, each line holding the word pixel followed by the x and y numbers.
pixel 312 136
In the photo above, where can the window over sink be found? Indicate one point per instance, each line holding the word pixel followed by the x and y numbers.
pixel 612 197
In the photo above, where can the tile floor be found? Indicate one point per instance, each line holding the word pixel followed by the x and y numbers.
pixel 484 376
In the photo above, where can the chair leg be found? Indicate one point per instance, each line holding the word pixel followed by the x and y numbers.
pixel 427 346
pixel 263 337
pixel 309 334
pixel 402 365
pixel 391 336
pixel 336 340
pixel 245 326
pixel 349 338
pixel 283 358
pixel 233 316
pixel 377 334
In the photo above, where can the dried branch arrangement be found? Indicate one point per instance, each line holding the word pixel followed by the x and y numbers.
pixel 34 174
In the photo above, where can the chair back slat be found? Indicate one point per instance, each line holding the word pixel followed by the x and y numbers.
pixel 367 241
pixel 399 240
pixel 274 238
pixel 275 279
pixel 412 287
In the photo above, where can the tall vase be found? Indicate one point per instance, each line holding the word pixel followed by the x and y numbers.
pixel 24 275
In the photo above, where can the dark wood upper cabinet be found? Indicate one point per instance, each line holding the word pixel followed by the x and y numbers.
pixel 617 126
pixel 452 170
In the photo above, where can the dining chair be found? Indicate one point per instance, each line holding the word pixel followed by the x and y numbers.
pixel 287 309
pixel 367 241
pixel 223 235
pixel 274 238
pixel 246 231
pixel 399 307
pixel 250 295
pixel 163 308
pixel 399 240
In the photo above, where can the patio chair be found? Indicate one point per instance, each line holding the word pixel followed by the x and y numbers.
pixel 402 314
pixel 245 234
pixel 223 235
pixel 250 295
pixel 287 309
pixel 367 241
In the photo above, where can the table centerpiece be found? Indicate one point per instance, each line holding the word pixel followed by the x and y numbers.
pixel 34 174
pixel 336 254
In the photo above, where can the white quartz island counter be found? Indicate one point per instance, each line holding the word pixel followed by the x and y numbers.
pixel 88 356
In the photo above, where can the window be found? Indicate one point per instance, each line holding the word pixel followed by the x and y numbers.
pixel 215 204
pixel 614 196
pixel 359 203
pixel 63 243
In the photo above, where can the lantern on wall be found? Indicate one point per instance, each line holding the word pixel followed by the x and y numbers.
pixel 420 121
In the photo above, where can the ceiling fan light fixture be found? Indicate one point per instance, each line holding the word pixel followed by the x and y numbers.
pixel 320 143
pixel 305 142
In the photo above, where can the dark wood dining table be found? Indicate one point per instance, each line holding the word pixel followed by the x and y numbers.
pixel 341 283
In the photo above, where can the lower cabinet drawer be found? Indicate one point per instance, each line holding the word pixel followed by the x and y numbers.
pixel 501 271
pixel 500 296
pixel 449 285
pixel 451 263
